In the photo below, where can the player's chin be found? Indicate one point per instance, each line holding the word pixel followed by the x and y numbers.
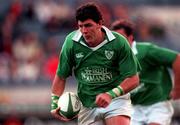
pixel 88 40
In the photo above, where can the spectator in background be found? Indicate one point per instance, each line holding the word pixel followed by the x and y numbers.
pixel 7 34
pixel 52 58
pixel 151 99
pixel 8 26
pixel 16 9
pixel 56 14
pixel 28 55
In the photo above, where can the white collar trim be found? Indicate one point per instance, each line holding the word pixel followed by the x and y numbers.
pixel 134 49
pixel 96 47
pixel 77 36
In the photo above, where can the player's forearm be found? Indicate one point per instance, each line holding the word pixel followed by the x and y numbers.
pixel 130 83
pixel 58 86
pixel 125 86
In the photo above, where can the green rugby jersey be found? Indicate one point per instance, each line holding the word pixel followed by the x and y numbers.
pixel 155 79
pixel 97 69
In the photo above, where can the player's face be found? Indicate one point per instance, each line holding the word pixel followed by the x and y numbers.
pixel 90 30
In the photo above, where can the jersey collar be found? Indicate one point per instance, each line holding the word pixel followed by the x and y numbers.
pixel 134 49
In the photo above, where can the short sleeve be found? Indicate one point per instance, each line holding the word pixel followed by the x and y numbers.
pixel 65 59
pixel 128 63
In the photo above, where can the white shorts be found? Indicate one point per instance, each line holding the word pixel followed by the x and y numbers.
pixel 96 116
pixel 161 113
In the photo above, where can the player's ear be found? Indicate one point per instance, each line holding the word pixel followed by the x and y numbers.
pixel 100 23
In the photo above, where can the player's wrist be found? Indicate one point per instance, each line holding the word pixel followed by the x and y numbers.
pixel 116 92
pixel 54 102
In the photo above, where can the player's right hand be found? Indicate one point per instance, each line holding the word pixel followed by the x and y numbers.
pixel 55 113
pixel 103 100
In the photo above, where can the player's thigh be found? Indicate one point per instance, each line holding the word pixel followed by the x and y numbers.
pixel 161 113
pixel 89 116
pixel 119 111
pixel 120 106
pixel 138 116
pixel 118 120
pixel 86 116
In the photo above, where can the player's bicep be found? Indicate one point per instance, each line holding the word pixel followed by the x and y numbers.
pixel 65 61
pixel 128 64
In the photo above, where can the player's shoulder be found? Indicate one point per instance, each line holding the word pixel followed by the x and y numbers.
pixel 118 35
pixel 119 39
pixel 144 47
pixel 69 38
pixel 68 43
pixel 145 44
pixel 71 35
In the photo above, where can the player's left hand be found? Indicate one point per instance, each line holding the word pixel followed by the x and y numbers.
pixel 103 100
pixel 55 113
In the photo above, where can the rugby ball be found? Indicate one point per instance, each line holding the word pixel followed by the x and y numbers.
pixel 69 104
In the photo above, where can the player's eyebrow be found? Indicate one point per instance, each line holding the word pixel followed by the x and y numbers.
pixel 85 25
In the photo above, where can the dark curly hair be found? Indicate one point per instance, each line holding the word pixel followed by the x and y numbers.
pixel 88 11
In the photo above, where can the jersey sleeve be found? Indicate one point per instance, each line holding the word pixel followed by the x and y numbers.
pixel 128 63
pixel 161 56
pixel 65 59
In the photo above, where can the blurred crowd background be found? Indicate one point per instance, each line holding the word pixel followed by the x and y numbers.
pixel 31 36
